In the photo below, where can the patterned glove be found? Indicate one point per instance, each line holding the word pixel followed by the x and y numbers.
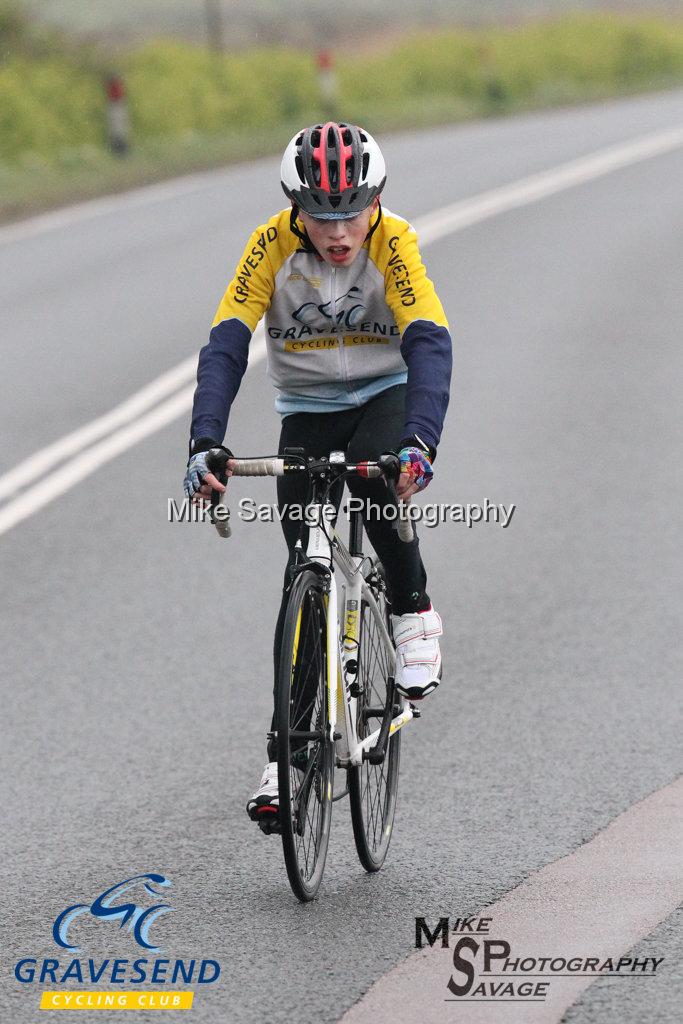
pixel 416 460
pixel 195 473
pixel 197 466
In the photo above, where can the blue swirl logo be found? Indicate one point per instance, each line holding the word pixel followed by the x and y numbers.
pixel 138 919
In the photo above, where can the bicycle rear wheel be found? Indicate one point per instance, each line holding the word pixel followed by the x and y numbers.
pixel 373 788
pixel 305 754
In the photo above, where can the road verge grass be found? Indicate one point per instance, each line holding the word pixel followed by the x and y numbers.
pixel 192 109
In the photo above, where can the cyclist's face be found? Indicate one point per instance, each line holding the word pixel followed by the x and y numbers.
pixel 339 241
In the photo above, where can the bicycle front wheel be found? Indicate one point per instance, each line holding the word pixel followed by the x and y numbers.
pixel 373 788
pixel 305 754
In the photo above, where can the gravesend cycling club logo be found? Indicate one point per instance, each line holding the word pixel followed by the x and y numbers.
pixel 133 906
pixel 104 907
pixel 319 316
pixel 483 967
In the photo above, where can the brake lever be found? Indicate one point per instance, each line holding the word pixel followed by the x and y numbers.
pixel 220 514
pixel 391 466
pixel 217 462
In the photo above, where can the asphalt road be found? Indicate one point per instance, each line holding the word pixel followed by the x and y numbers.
pixel 136 653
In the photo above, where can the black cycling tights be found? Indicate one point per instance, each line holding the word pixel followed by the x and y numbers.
pixel 363 433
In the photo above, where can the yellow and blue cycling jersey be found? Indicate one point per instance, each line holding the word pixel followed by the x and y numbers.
pixel 336 336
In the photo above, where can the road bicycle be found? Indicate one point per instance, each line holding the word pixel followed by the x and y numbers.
pixel 336 704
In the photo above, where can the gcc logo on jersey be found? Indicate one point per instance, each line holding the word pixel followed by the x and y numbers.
pixel 310 313
pixel 105 907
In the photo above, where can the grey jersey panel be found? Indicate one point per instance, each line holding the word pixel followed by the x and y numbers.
pixel 329 323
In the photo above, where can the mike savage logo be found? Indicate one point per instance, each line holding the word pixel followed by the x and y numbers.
pixel 485 967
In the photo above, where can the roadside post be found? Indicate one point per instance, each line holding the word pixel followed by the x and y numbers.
pixel 327 82
pixel 495 93
pixel 214 25
pixel 118 124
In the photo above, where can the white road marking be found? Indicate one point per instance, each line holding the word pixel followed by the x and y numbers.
pixel 85 463
pixel 130 409
pixel 430 228
pixel 597 902
pixel 547 183
pixel 92 208
pixel 61 480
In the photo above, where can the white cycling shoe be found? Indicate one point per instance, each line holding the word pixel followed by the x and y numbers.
pixel 418 657
pixel 265 803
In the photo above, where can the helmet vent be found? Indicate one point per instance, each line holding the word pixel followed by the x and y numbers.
pixel 347 138
pixel 330 137
pixel 333 168
pixel 315 139
pixel 363 136
pixel 299 164
pixel 366 164
pixel 350 169
pixel 334 200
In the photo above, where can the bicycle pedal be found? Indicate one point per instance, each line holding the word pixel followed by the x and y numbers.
pixel 270 826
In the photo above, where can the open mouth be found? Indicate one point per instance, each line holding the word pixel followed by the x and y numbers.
pixel 338 252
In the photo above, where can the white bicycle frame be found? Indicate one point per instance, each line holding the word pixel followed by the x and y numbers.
pixel 326 547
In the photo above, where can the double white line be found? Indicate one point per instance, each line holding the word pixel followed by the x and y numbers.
pixel 69 460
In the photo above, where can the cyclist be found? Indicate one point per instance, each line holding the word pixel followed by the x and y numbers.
pixel 360 354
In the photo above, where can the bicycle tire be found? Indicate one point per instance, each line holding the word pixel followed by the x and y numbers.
pixel 373 789
pixel 305 768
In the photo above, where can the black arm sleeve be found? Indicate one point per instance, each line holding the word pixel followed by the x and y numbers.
pixel 427 352
pixel 222 364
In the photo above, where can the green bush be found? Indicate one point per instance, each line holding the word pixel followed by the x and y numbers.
pixel 175 88
pixel 53 101
pixel 516 65
pixel 46 106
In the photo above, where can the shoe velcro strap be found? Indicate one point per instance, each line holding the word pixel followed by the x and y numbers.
pixel 418 655
pixel 418 626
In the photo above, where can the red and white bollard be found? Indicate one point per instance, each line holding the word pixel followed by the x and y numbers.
pixel 118 124
pixel 327 80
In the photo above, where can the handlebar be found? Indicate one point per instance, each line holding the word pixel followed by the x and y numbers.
pixel 219 461
pixel 256 467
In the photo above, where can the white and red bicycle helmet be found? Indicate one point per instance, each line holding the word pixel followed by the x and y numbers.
pixel 332 171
